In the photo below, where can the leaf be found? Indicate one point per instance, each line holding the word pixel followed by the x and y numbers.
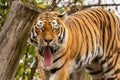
pixel 42 5
pixel 67 8
pixel 113 11
pixel 3 1
pixel 1 10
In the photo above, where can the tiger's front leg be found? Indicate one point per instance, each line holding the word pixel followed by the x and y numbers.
pixel 60 74
pixel 44 74
pixel 63 73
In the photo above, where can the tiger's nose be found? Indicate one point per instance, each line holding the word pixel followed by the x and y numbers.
pixel 48 40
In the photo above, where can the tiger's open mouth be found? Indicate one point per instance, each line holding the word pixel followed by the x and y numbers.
pixel 47 53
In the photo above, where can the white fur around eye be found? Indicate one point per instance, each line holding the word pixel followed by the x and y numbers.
pixel 39 24
pixel 54 24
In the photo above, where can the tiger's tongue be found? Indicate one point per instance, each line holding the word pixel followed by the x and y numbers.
pixel 47 56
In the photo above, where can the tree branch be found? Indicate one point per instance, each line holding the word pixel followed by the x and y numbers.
pixel 33 69
pixel 73 9
pixel 94 5
pixel 53 5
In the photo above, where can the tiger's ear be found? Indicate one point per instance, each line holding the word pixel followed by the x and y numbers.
pixel 63 15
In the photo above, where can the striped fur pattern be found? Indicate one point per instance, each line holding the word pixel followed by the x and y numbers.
pixel 87 39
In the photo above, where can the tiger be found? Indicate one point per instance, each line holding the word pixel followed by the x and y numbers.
pixel 88 39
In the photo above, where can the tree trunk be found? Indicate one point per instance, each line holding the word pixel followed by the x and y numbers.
pixel 13 37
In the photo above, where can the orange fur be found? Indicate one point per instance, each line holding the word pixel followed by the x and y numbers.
pixel 89 39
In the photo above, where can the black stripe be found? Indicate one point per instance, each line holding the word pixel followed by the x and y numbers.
pixel 103 26
pixel 96 72
pixel 89 68
pixel 116 72
pixel 33 41
pixel 99 57
pixel 108 15
pixel 56 69
pixel 110 31
pixel 63 36
pixel 96 17
pixel 79 66
pixel 72 29
pixel 103 62
pixel 77 60
pixel 110 68
pixel 85 33
pixel 113 31
pixel 34 37
pixel 108 56
pixel 87 15
pixel 94 13
pixel 80 28
pixel 40 51
pixel 61 56
pixel 60 34
pixel 110 64
pixel 86 26
pixel 96 60
pixel 85 36
pixel 106 59
pixel 74 20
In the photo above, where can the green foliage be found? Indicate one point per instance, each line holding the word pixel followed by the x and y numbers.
pixel 41 4
pixel 4 9
pixel 26 64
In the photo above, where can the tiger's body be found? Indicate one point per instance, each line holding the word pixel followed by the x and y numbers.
pixel 87 39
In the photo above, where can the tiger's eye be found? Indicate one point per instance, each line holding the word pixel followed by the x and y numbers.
pixel 39 24
pixel 54 24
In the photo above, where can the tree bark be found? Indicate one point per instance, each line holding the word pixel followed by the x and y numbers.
pixel 13 37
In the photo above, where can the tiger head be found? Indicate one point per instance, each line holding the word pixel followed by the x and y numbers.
pixel 49 35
